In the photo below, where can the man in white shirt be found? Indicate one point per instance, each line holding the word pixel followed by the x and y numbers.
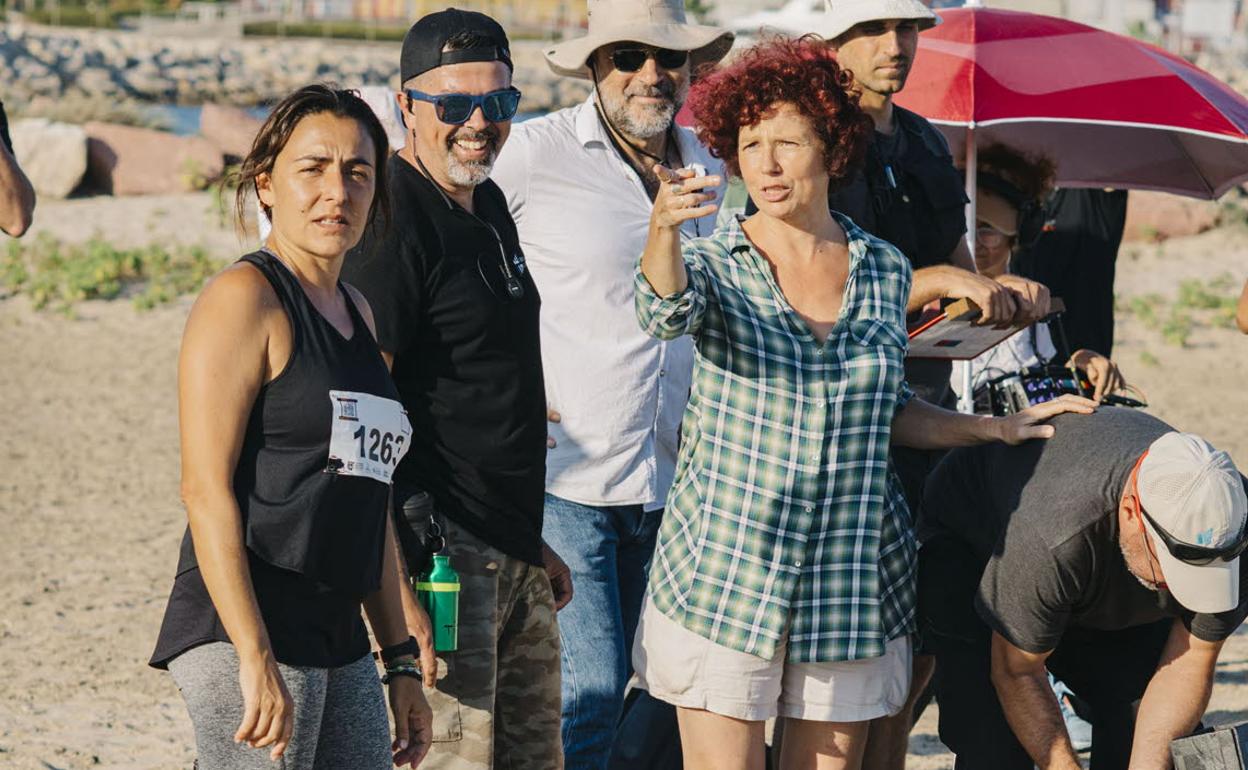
pixel 580 186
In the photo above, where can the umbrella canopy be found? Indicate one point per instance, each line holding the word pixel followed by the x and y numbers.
pixel 1110 110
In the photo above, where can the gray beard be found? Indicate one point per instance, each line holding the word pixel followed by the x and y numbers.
pixel 652 122
pixel 1126 558
pixel 468 174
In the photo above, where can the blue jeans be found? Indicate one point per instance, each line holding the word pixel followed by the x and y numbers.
pixel 608 549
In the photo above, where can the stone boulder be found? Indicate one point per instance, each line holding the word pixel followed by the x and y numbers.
pixel 230 129
pixel 53 155
pixel 1156 216
pixel 125 160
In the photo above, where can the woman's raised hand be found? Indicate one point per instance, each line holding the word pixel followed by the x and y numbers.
pixel 682 196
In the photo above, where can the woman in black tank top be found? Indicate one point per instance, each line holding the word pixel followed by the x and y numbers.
pixel 290 430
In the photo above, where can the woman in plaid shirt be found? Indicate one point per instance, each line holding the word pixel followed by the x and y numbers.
pixel 783 580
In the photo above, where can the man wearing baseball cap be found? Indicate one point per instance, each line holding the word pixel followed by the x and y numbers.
pixel 1109 555
pixel 581 185
pixel 457 318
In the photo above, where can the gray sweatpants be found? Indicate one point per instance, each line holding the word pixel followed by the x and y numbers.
pixel 340 714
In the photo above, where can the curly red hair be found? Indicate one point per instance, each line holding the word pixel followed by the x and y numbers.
pixel 801 72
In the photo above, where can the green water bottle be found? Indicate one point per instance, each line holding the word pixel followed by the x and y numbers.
pixel 438 591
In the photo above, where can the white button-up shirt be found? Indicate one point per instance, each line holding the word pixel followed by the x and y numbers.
pixel 583 216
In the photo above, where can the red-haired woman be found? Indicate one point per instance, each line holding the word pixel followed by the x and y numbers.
pixel 783 580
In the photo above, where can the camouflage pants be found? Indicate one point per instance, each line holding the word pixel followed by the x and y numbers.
pixel 497 699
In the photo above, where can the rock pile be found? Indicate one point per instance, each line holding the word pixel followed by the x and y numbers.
pixel 53 62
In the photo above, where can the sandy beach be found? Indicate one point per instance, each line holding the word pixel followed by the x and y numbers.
pixel 89 492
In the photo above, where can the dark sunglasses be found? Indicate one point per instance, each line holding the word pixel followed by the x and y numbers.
pixel 1195 555
pixel 633 59
pixel 455 109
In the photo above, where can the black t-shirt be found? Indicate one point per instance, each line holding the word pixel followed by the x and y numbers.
pixel 909 193
pixel 1075 257
pixel 4 129
pixel 1043 518
pixel 467 358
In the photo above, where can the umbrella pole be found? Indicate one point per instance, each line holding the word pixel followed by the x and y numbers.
pixel 966 402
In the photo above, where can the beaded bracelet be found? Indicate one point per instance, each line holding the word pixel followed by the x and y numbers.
pixel 402 668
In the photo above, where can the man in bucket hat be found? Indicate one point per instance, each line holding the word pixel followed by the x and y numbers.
pixel 457 317
pixel 1109 555
pixel 580 186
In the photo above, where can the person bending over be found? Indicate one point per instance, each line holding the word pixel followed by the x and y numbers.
pixel 1108 555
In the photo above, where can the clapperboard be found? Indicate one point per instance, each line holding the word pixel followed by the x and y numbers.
pixel 952 335
pixel 1221 749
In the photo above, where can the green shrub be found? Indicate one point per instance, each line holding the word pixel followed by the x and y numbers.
pixel 53 273
pixel 1200 304
pixel 73 16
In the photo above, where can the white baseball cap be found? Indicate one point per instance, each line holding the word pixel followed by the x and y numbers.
pixel 1195 494
pixel 839 16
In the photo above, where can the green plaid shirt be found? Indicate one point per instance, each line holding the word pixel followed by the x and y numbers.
pixel 784 518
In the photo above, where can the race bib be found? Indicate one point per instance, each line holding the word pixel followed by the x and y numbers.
pixel 370 435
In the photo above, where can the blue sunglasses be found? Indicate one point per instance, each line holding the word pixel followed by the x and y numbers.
pixel 455 109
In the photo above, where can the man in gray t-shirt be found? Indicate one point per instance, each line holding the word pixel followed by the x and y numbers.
pixel 1108 554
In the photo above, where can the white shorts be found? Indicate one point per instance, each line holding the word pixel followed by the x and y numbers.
pixel 682 668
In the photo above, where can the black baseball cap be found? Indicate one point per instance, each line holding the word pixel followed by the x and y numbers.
pixel 423 44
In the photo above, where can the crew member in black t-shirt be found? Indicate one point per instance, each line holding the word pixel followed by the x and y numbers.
pixel 457 314
pixel 1108 554
pixel 17 196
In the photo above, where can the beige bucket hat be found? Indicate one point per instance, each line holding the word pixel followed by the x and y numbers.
pixel 658 23
pixel 839 16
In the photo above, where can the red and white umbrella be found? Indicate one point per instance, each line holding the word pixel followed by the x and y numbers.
pixel 1110 110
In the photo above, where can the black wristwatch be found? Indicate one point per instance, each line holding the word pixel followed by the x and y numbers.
pixel 405 647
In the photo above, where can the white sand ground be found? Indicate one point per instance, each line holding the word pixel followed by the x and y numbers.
pixel 90 520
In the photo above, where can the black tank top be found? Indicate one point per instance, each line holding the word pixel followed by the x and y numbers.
pixel 314 536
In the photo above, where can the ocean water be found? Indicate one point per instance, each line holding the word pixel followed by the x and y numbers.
pixel 183 119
